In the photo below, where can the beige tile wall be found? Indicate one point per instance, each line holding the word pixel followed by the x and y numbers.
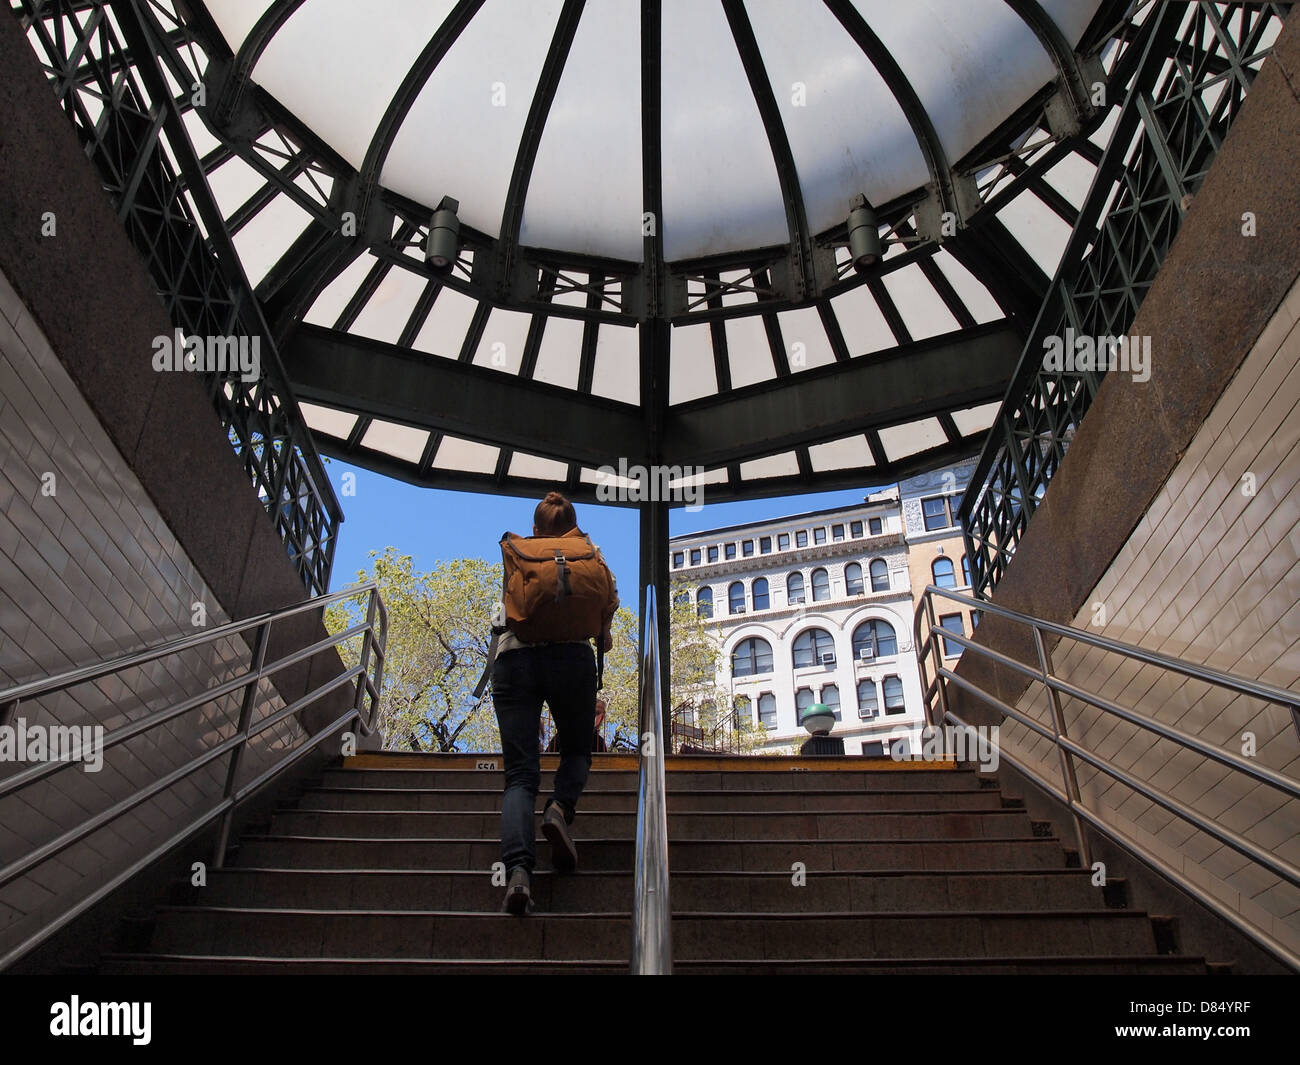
pixel 1211 574
pixel 88 574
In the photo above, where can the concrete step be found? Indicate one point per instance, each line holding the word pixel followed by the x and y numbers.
pixel 600 824
pixel 320 852
pixel 677 780
pixel 1105 965
pixel 605 936
pixel 752 800
pixel 584 892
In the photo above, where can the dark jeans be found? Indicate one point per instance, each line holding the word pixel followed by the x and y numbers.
pixel 564 676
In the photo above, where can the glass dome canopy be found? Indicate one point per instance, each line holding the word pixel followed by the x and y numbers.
pixel 652 197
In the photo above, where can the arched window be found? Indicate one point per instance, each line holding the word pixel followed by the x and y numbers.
pixel 794 588
pixel 736 598
pixel 853 579
pixel 742 712
pixel 751 656
pixel 802 698
pixel 944 577
pixel 681 598
pixel 878 635
pixel 879 575
pixel 821 583
pixel 704 602
pixel 761 598
pixel 831 698
pixel 810 645
pixel 868 700
pixel 965 571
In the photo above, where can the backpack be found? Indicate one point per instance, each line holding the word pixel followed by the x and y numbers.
pixel 556 587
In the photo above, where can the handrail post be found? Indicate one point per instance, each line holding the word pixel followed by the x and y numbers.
pixel 932 646
pixel 1068 779
pixel 652 949
pixel 364 662
pixel 245 719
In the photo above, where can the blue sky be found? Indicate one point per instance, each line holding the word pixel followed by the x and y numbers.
pixel 433 525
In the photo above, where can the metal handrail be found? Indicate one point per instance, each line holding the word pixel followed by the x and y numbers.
pixel 929 637
pixel 652 941
pixel 369 682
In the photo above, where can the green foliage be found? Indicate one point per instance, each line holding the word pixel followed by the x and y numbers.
pixel 439 626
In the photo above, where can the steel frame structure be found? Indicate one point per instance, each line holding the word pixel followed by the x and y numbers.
pixel 108 80
pixel 1198 63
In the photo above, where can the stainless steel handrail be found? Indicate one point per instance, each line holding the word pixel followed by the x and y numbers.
pixel 369 682
pixel 929 637
pixel 652 940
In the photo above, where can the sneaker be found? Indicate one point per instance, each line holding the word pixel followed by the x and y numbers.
pixel 519 893
pixel 564 855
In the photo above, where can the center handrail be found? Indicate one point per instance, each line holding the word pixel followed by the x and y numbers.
pixel 652 949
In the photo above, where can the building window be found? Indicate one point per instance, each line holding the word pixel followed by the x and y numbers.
pixel 879 575
pixel 704 603
pixel 937 511
pixel 853 579
pixel 747 548
pixel 764 545
pixel 729 551
pixel 801 538
pixel 678 559
pixel 837 532
pixel 713 553
pixel 952 622
pixel 819 536
pixel 794 589
pixel 809 647
pixel 741 714
pixel 868 699
pixel 965 571
pixel 681 598
pixel 876 526
pixel 821 583
pixel 750 657
pixel 767 710
pixel 893 696
pixel 783 542
pixel 736 598
pixel 875 636
pixel 803 699
pixel 831 697
pixel 855 528
pixel 695 557
pixel 944 577
pixel 761 600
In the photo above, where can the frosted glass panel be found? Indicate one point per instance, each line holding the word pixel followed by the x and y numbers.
pixel 585 192
pixel 814 66
pixel 462 134
pixel 971 63
pixel 720 188
pixel 337 64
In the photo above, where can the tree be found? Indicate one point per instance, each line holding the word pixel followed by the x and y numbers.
pixel 439 628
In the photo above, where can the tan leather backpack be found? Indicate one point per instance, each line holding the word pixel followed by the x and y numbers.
pixel 556 587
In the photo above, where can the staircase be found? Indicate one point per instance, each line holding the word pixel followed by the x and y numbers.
pixel 384 866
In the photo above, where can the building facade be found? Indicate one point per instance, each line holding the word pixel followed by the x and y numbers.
pixel 818 607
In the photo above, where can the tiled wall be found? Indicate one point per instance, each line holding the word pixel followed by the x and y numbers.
pixel 1211 574
pixel 86 574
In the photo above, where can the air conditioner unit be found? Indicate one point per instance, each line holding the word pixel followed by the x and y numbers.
pixel 828 658
pixel 739 610
pixel 868 715
pixel 796 600
pixel 866 654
